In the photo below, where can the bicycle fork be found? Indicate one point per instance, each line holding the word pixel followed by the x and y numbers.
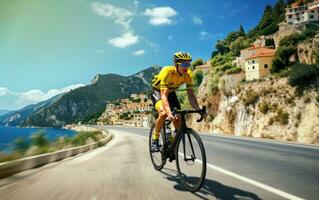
pixel 192 156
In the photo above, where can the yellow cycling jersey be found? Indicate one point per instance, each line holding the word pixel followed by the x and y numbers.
pixel 170 78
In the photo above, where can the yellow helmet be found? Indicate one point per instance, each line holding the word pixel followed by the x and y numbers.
pixel 182 56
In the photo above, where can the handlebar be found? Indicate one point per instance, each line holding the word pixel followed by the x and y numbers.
pixel 184 112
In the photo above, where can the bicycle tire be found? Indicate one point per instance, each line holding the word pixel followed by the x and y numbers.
pixel 162 161
pixel 199 183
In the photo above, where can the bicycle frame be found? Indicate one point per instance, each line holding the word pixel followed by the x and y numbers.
pixel 168 152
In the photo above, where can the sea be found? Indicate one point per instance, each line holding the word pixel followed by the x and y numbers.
pixel 9 134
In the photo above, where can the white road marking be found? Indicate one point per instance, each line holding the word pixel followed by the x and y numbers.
pixel 309 146
pixel 250 181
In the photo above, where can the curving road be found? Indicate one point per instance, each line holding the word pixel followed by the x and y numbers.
pixel 238 169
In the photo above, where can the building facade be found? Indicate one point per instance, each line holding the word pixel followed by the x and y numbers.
pixel 300 13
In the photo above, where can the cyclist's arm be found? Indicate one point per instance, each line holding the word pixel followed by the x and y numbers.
pixel 192 98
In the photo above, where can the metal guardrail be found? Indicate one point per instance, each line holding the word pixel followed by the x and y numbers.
pixel 12 167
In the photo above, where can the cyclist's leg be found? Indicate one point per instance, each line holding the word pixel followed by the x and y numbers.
pixel 157 102
pixel 174 103
pixel 161 116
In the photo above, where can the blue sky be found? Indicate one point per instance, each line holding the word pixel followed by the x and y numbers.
pixel 48 47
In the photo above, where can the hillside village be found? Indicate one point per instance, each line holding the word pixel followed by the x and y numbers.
pixel 238 88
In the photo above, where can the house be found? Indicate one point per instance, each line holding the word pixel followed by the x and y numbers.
pixel 258 62
pixel 301 13
pixel 244 54
pixel 204 68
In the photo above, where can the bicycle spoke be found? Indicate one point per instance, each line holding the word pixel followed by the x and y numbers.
pixel 191 162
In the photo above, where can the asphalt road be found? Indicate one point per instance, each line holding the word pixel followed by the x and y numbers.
pixel 237 169
pixel 289 167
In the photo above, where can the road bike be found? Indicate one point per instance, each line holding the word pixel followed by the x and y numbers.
pixel 187 149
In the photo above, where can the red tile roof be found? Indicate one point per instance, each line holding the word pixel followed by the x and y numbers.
pixel 261 52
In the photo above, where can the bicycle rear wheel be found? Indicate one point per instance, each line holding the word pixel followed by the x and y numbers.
pixel 191 160
pixel 157 157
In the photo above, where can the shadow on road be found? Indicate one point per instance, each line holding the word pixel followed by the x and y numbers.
pixel 211 188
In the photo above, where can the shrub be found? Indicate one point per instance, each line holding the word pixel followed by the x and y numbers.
pixel 306 99
pixel 231 116
pixel 21 144
pixel 270 42
pixel 197 62
pixel 283 73
pixel 299 116
pixel 291 40
pixel 250 98
pixel 317 98
pixel 273 107
pixel 226 67
pixel 213 84
pixel 263 107
pixel 234 70
pixel 277 65
pixel 285 52
pixel 282 117
pixel 39 139
pixel 271 121
pixel 289 100
pixel 82 137
pixel 198 77
pixel 303 75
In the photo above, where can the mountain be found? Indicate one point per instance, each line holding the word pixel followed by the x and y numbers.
pixel 14 118
pixel 2 112
pixel 80 103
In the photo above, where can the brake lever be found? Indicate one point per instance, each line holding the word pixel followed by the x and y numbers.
pixel 202 112
pixel 174 111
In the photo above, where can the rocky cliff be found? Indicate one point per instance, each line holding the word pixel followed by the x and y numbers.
pixel 267 109
pixel 308 50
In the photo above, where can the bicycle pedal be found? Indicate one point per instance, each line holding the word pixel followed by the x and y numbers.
pixel 172 158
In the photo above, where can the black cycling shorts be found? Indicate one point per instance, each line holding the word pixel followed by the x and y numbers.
pixel 172 99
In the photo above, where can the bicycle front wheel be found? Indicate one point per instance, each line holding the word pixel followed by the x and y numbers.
pixel 191 160
pixel 157 157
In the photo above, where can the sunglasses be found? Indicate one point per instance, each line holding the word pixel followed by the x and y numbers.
pixel 185 64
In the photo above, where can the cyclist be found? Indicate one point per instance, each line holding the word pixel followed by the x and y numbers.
pixel 164 97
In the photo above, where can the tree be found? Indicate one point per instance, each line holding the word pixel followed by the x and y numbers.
pixel 198 77
pixel 279 8
pixel 267 18
pixel 197 62
pixel 277 65
pixel 302 75
pixel 214 53
pixel 241 31
pixel 222 47
pixel 285 53
pixel 239 44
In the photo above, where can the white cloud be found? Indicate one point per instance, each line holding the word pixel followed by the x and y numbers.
pixel 4 91
pixel 126 39
pixel 197 20
pixel 170 37
pixel 160 15
pixel 15 100
pixel 203 35
pixel 139 52
pixel 119 15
